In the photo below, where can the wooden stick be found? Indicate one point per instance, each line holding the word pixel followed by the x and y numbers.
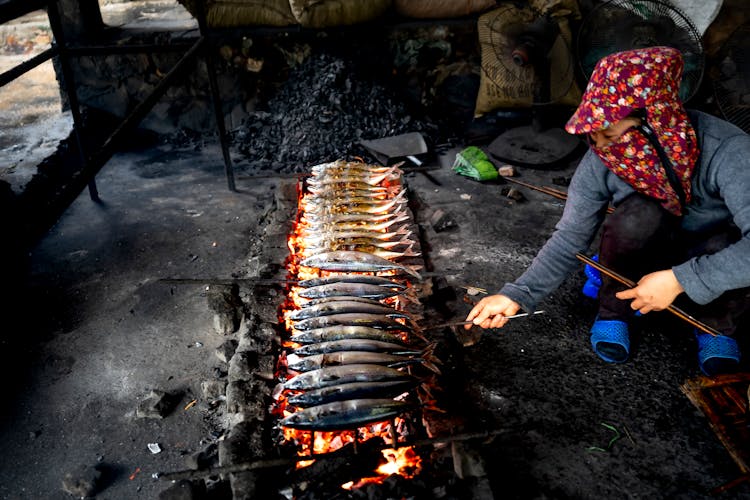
pixel 286 462
pixel 625 281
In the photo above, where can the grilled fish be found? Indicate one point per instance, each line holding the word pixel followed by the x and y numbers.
pixel 330 224
pixel 365 290
pixel 352 345
pixel 338 358
pixel 344 374
pixel 382 321
pixel 344 245
pixel 341 332
pixel 344 307
pixel 356 390
pixel 314 236
pixel 342 415
pixel 348 165
pixel 355 218
pixel 331 176
pixel 351 261
pixel 338 298
pixel 352 278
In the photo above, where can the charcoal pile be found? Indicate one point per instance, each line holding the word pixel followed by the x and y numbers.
pixel 320 114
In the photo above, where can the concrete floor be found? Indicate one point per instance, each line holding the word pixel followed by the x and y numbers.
pixel 93 330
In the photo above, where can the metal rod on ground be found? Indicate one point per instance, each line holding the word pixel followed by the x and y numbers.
pixel 627 282
pixel 282 462
pixel 560 195
pixel 731 484
pixel 226 281
pixel 462 323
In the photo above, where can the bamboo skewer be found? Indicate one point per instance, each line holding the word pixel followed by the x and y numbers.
pixel 627 282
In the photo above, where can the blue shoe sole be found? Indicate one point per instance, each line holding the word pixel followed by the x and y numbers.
pixel 717 354
pixel 593 279
pixel 594 282
pixel 610 340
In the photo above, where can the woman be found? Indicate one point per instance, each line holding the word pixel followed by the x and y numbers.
pixel 680 183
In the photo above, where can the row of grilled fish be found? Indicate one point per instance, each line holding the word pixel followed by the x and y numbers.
pixel 353 351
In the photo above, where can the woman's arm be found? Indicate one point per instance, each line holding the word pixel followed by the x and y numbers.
pixel 589 194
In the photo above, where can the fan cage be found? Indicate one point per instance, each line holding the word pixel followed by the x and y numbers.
pixel 731 83
pixel 509 22
pixel 618 25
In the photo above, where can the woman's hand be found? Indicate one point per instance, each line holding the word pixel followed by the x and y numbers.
pixel 655 292
pixel 492 312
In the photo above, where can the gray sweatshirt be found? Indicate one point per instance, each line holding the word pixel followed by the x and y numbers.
pixel 720 192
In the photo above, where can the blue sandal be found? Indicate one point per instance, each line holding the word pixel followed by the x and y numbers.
pixel 611 340
pixel 593 279
pixel 717 354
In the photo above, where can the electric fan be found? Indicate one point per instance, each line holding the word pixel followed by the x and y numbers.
pixel 527 61
pixel 731 78
pixel 618 25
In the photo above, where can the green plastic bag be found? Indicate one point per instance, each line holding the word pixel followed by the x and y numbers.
pixel 472 162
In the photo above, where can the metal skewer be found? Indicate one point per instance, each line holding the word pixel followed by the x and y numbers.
pixel 462 323
pixel 555 193
pixel 625 281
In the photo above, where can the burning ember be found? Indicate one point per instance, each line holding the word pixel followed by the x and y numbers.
pixel 353 364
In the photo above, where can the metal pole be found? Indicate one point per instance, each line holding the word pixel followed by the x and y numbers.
pixel 216 97
pixel 100 157
pixel 16 71
pixel 70 89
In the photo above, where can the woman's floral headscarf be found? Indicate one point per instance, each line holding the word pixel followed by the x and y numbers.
pixel 646 79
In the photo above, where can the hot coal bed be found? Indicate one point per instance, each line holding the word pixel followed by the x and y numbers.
pixel 336 388
pixel 353 364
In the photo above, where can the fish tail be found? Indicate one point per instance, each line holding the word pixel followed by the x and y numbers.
pixel 431 366
pixel 399 217
pixel 430 360
pixel 401 196
pixel 409 252
pixel 405 239
pixel 411 272
pixel 406 362
pixel 403 229
pixel 385 175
